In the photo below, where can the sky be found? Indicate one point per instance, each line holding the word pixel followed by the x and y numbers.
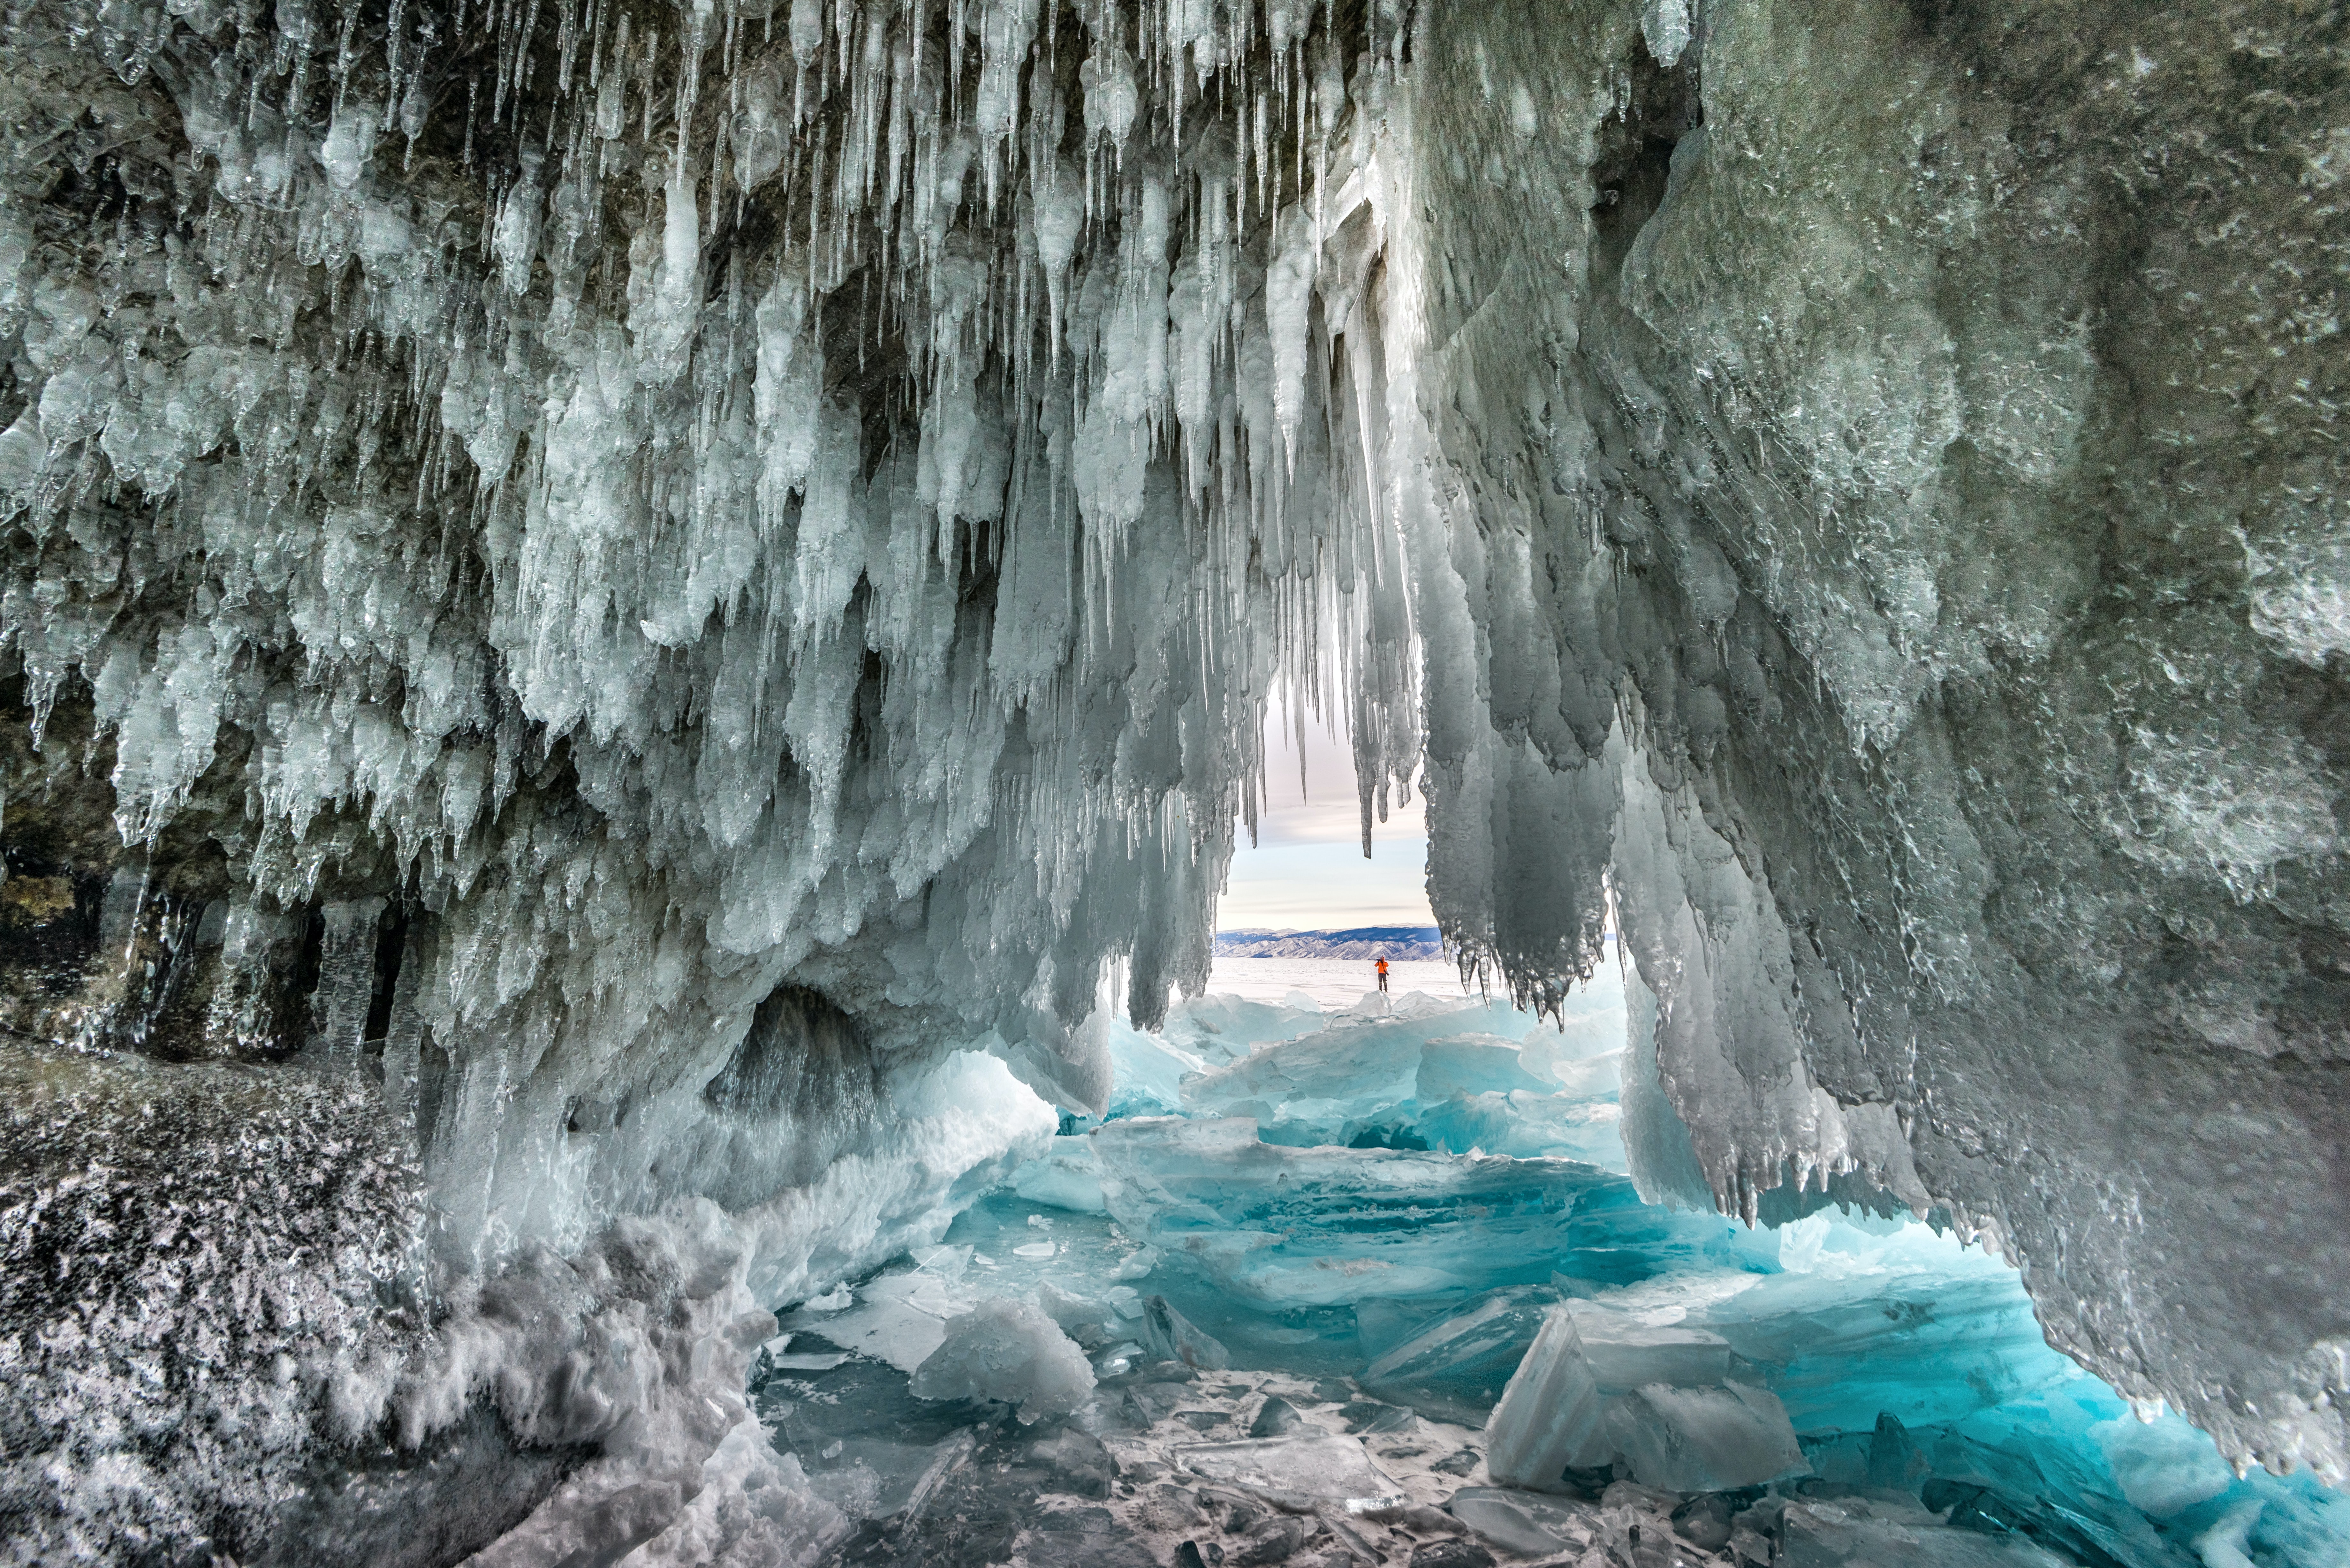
pixel 1307 872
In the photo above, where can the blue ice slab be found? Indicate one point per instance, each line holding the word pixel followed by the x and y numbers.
pixel 1449 1359
pixel 1864 1316
pixel 1218 1028
pixel 1148 1072
pixel 1525 1127
pixel 1912 1368
pixel 1280 1228
pixel 1431 1076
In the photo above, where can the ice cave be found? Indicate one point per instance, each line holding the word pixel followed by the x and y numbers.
pixel 637 638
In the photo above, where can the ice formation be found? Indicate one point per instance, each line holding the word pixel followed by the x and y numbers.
pixel 600 595
pixel 1012 1352
pixel 1845 1390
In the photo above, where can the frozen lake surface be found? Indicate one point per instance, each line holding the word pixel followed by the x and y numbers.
pixel 1348 1281
pixel 1333 983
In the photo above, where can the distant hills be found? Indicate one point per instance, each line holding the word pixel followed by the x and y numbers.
pixel 1364 943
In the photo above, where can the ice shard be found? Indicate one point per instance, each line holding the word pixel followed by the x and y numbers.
pixel 1550 1414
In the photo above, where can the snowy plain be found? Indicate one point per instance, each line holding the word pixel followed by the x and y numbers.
pixel 1333 983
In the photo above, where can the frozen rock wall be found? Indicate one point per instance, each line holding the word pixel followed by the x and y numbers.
pixel 630 576
pixel 1884 528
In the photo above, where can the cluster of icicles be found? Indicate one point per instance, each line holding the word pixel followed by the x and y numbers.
pixel 867 456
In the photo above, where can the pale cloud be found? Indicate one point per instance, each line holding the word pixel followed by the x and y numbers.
pixel 1307 871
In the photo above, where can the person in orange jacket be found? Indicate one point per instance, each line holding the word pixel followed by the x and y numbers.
pixel 1382 967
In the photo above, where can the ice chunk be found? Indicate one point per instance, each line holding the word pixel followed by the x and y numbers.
pixel 1416 1080
pixel 1864 1317
pixel 1149 1071
pixel 1075 1312
pixel 1011 1353
pixel 1704 1439
pixel 1068 1177
pixel 1320 1080
pixel 1624 1352
pixel 1168 1335
pixel 1552 1414
pixel 1473 1064
pixel 1303 1467
pixel 2164 1466
pixel 1855 1533
pixel 1219 1028
pixel 1455 1367
pixel 1274 1417
pixel 1522 1522
pixel 1078 1461
pixel 900 1318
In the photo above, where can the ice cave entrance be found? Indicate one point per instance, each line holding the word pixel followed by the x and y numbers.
pixel 1351 1278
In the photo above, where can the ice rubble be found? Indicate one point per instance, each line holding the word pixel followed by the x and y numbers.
pixel 635 575
pixel 1685 1409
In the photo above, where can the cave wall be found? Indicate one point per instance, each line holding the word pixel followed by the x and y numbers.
pixel 1905 542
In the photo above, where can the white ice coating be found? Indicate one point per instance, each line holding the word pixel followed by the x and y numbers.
pixel 730 519
pixel 834 526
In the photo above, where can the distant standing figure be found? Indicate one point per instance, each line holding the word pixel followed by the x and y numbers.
pixel 1382 967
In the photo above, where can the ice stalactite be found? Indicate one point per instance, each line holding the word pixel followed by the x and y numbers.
pixel 633 577
pixel 1873 451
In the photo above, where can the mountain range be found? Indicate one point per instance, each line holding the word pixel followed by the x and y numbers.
pixel 1366 942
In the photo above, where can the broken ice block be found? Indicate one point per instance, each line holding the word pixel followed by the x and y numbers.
pixel 1302 1467
pixel 1551 1415
pixel 1703 1440
pixel 1473 1064
pixel 1168 1335
pixel 1521 1523
pixel 1276 1417
pixel 896 1318
pixel 1219 1028
pixel 1078 1462
pixel 1067 1177
pixel 1011 1353
pixel 1855 1533
pixel 1626 1353
pixel 1454 1368
pixel 1146 1070
pixel 1073 1313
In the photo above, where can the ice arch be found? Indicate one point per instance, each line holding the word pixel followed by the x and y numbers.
pixel 552 548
